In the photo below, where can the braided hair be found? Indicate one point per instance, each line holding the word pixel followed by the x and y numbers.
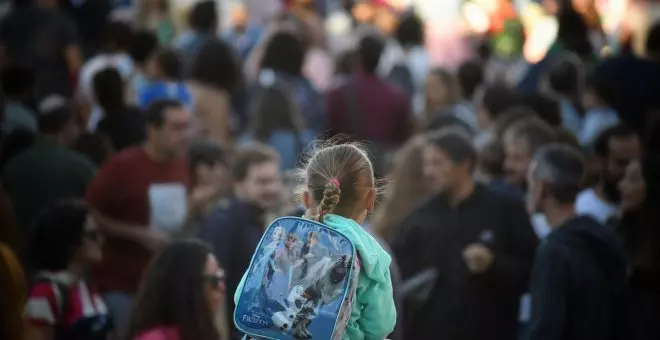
pixel 333 176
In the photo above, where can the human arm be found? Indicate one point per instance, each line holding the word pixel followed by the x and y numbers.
pixel 103 198
pixel 150 239
pixel 549 290
pixel 511 267
pixel 378 315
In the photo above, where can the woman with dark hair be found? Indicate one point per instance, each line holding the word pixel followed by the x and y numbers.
pixel 182 291
pixel 202 25
pixel 277 122
pixel 123 124
pixel 12 278
pixel 407 50
pixel 61 304
pixel 283 61
pixel 638 227
pixel 215 72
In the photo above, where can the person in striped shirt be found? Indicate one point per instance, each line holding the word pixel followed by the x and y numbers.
pixel 62 304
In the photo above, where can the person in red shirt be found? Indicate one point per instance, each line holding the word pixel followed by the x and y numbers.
pixel 368 107
pixel 140 197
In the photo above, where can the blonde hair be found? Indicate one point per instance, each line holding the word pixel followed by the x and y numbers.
pixel 407 188
pixel 332 176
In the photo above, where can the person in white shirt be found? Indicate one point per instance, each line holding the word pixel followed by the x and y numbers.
pixel 615 148
pixel 600 114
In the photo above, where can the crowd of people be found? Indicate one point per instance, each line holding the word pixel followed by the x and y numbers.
pixel 141 161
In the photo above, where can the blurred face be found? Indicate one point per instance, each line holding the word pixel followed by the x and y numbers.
pixel 213 176
pixel 484 120
pixel 214 283
pixel 385 21
pixel 70 133
pixel 291 241
pixel 240 17
pixel 262 186
pixel 363 12
pixel 632 187
pixel 440 171
pixel 436 93
pixel 91 246
pixel 173 137
pixel 622 151
pixel 517 160
pixel 152 69
pixel 534 192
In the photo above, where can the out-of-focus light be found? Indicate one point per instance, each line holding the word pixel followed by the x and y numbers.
pixel 540 38
pixel 476 18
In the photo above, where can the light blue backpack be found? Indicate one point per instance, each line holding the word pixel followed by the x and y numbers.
pixel 300 284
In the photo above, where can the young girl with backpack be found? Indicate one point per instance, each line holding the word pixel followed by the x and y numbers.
pixel 339 190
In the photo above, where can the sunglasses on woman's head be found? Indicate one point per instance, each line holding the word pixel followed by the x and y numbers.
pixel 215 279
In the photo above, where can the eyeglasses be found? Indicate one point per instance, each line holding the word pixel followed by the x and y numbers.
pixel 214 280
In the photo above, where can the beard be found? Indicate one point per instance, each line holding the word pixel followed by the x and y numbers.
pixel 611 190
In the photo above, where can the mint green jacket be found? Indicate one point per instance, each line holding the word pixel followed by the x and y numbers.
pixel 374 315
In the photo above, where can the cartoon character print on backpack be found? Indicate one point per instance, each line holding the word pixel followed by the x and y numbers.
pixel 305 290
pixel 303 303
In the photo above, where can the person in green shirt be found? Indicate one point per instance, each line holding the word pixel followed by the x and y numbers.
pixel 48 171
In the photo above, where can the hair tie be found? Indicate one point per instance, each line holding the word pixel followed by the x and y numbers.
pixel 334 181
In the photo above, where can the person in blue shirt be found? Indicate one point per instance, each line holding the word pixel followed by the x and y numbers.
pixel 164 70
pixel 244 34
pixel 277 122
pixel 203 22
pixel 284 56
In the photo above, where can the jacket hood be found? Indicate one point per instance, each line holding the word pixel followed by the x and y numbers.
pixel 375 260
pixel 599 239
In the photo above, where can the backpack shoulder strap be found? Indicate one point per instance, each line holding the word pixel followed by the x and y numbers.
pixel 62 294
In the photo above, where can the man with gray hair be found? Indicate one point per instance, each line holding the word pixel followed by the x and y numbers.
pixel 578 280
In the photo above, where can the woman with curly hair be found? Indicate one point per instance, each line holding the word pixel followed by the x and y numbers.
pixel 182 291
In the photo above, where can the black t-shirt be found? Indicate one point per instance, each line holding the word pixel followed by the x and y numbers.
pixel 125 128
pixel 38 38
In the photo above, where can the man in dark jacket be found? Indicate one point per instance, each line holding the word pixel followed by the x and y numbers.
pixel 478 240
pixel 234 230
pixel 578 279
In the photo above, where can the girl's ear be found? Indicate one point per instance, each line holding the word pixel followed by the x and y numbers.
pixel 307 200
pixel 371 200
